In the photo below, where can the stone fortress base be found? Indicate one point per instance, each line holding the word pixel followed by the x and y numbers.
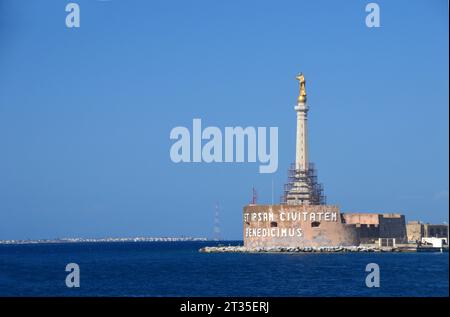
pixel 296 226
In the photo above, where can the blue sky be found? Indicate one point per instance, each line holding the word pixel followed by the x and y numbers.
pixel 85 114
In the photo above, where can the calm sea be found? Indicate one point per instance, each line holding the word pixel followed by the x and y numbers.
pixel 178 269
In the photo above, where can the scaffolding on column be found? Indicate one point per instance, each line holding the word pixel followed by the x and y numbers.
pixel 302 187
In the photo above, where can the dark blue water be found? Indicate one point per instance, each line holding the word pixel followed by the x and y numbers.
pixel 178 269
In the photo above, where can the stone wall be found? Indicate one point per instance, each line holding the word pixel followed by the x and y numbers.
pixel 372 226
pixel 362 218
pixel 393 226
pixel 435 231
pixel 296 226
pixel 414 231
pixel 417 230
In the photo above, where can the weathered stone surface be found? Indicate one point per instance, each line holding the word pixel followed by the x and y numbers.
pixel 372 226
pixel 292 226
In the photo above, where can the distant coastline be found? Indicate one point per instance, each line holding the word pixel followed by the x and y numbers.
pixel 102 240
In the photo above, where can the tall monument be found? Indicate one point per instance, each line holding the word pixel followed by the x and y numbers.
pixel 302 187
pixel 301 154
pixel 302 219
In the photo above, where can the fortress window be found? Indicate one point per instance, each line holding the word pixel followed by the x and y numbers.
pixel 315 224
pixel 273 224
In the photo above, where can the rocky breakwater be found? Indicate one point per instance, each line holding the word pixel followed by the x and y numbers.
pixel 241 249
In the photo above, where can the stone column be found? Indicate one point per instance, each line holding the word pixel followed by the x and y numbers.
pixel 301 153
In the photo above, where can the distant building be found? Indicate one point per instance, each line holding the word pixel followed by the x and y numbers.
pixel 414 231
pixel 373 226
pixel 417 230
pixel 435 231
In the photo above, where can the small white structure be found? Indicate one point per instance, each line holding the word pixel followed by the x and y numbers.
pixel 436 242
